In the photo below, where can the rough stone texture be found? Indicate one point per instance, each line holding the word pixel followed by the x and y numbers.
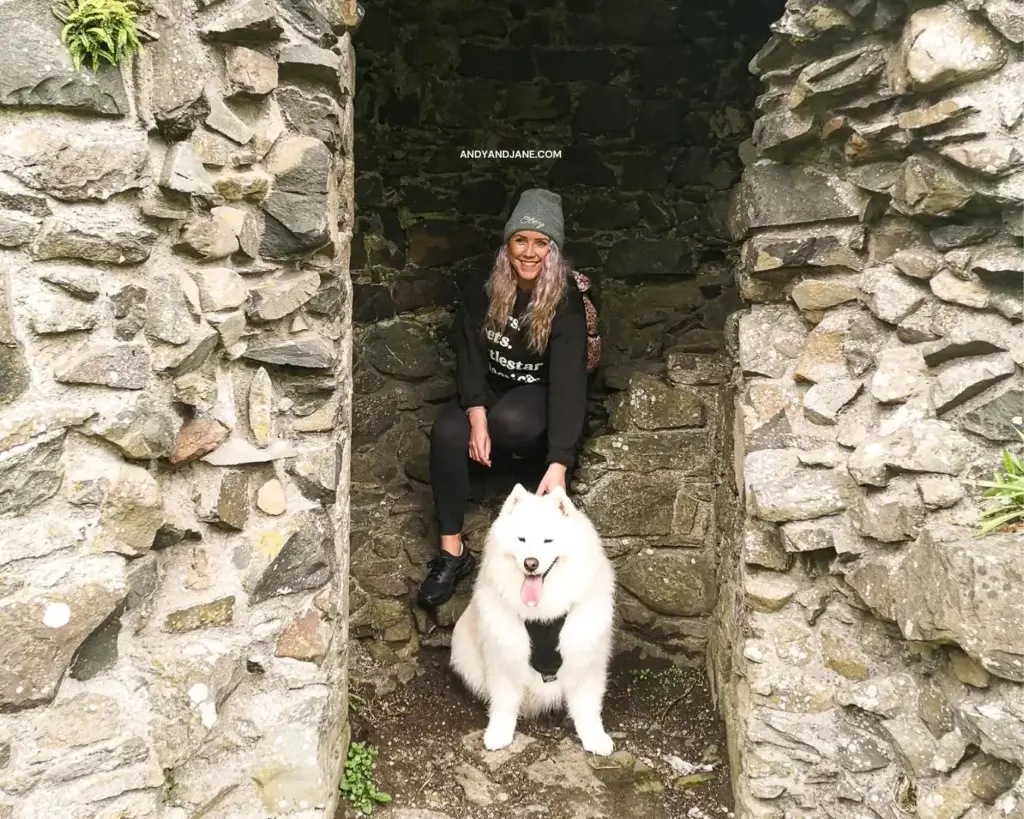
pixel 955 588
pixel 153 602
pixel 944 47
pixel 76 165
pixel 866 637
pixel 43 628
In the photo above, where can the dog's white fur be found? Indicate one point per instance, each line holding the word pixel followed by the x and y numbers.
pixel 490 644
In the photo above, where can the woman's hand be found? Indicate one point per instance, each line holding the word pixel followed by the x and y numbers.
pixel 479 438
pixel 555 476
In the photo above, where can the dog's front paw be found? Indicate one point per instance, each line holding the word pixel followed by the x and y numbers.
pixel 496 738
pixel 598 743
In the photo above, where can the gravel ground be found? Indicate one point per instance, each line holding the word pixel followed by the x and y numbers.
pixel 669 762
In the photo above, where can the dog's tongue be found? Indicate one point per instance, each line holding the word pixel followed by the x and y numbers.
pixel 533 587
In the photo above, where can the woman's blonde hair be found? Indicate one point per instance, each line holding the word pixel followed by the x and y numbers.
pixel 547 294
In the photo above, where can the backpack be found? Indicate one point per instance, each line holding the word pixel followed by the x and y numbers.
pixel 593 333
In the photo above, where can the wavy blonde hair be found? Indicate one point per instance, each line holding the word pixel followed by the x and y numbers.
pixel 547 294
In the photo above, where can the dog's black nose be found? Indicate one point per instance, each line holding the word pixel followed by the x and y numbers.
pixel 531 564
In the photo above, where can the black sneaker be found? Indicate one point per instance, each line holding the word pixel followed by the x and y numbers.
pixel 444 571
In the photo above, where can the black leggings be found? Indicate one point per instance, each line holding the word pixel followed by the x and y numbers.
pixel 518 418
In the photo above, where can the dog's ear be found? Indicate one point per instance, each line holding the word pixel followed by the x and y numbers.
pixel 561 500
pixel 515 497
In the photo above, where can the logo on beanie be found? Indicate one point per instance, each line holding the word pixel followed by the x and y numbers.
pixel 531 220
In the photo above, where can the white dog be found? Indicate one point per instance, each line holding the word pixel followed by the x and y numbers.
pixel 537 634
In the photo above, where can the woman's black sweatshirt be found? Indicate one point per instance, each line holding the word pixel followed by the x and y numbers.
pixel 490 364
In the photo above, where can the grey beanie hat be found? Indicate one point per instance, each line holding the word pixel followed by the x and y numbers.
pixel 539 210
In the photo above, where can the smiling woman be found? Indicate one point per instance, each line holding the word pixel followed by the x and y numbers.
pixel 521 376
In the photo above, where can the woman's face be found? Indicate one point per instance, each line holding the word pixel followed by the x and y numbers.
pixel 527 250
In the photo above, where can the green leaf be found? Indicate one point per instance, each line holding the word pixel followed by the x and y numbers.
pixel 991 525
pixel 101 34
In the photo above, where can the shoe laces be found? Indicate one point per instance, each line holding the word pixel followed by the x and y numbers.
pixel 438 563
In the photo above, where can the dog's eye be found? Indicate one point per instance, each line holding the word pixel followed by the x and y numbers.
pixel 523 540
pixel 547 540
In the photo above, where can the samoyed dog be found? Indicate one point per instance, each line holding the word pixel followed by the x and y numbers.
pixel 537 634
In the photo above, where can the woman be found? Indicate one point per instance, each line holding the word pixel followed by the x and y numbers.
pixel 521 376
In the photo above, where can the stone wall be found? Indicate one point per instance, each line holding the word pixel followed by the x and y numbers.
pixel 657 487
pixel 174 412
pixel 870 647
pixel 648 105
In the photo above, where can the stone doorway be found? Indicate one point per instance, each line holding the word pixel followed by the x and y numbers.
pixel 650 109
pixel 646 108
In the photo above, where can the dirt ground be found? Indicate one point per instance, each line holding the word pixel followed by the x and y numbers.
pixel 669 761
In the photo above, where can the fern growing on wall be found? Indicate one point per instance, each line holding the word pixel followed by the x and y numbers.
pixel 96 30
pixel 1005 495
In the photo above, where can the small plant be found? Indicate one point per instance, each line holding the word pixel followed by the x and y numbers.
pixel 640 674
pixel 357 784
pixel 1005 492
pixel 97 30
pixel 672 675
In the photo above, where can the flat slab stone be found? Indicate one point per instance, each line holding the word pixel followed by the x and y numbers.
pixel 690 451
pixel 928 446
pixel 653 404
pixel 776 195
pixel 312 353
pixel 959 382
pixel 95 238
pixel 248 22
pixel 824 401
pixel 237 451
pixel 121 366
pixel 626 504
pixel 31 474
pixel 780 489
pixel 671 581
pixel 76 164
pixel 995 418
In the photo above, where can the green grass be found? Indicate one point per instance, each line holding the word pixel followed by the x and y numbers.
pixel 1004 494
pixel 358 784
pixel 98 30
